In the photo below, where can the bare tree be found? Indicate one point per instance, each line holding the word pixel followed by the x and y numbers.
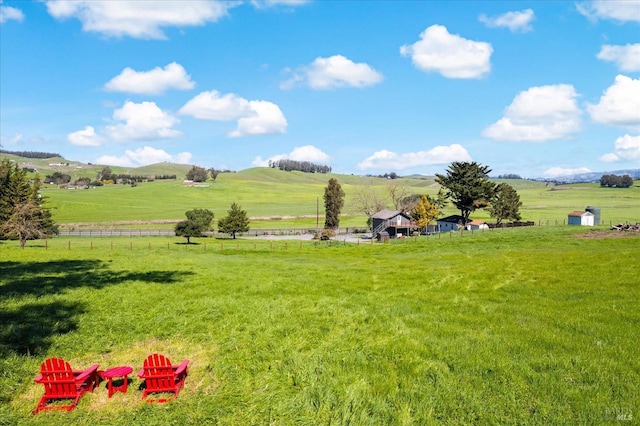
pixel 368 201
pixel 398 191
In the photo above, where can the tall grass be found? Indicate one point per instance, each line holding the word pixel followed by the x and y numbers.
pixel 535 326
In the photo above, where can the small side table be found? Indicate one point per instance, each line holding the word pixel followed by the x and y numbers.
pixel 115 372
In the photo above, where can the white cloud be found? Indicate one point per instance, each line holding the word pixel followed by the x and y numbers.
pixel 267 118
pixel 555 172
pixel 213 106
pixel 626 148
pixel 254 117
pixel 515 21
pixel 626 58
pixel 539 114
pixel 621 11
pixel 138 19
pixel 449 54
pixel 334 72
pixel 143 121
pixel 301 153
pixel 85 137
pixel 387 160
pixel 6 140
pixel 619 105
pixel 156 81
pixel 143 157
pixel 271 3
pixel 8 13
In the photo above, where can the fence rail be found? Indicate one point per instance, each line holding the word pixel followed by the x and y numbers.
pixel 278 232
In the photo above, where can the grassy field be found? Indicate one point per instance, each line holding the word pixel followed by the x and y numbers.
pixel 518 326
pixel 294 199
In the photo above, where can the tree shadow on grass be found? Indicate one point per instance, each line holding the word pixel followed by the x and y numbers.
pixel 45 278
pixel 27 330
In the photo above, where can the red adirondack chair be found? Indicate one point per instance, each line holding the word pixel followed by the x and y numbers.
pixel 62 383
pixel 161 377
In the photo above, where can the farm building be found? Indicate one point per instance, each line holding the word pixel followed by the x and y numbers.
pixel 476 225
pixel 581 218
pixel 450 223
pixel 395 223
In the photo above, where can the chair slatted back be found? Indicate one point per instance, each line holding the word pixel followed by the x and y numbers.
pixel 158 374
pixel 58 379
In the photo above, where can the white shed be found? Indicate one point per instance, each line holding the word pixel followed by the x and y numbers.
pixel 476 225
pixel 581 218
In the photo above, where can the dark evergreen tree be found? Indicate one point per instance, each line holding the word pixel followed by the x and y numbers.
pixel 505 204
pixel 235 221
pixel 333 203
pixel 468 186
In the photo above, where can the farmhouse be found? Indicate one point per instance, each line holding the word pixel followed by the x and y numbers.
pixel 581 218
pixel 394 223
pixel 450 223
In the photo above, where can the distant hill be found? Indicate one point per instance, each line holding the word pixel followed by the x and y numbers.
pixel 592 176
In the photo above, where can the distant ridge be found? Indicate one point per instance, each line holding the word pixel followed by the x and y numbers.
pixel 591 176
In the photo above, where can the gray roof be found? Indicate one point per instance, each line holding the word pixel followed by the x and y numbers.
pixel 386 214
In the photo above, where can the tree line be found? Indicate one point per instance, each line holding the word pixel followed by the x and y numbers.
pixel 301 166
pixel 615 181
pixel 31 154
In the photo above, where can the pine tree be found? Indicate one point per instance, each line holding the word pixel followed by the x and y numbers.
pixel 235 221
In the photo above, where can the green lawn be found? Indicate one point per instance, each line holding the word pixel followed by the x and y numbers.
pixel 519 326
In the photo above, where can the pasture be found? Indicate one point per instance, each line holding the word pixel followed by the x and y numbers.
pixel 295 200
pixel 517 326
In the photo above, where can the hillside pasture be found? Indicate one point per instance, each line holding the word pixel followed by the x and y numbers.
pixel 297 197
pixel 515 326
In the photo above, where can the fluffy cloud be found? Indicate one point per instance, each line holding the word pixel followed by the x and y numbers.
pixel 143 157
pixel 387 160
pixel 621 11
pixel 626 58
pixel 8 13
pixel 6 140
pixel 143 121
pixel 626 148
pixel 301 153
pixel 85 137
pixel 619 105
pixel 213 106
pixel 334 72
pixel 515 21
pixel 538 114
pixel 266 119
pixel 138 19
pixel 156 81
pixel 556 172
pixel 449 54
pixel 254 117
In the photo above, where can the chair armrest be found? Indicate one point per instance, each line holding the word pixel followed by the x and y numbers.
pixel 141 373
pixel 38 379
pixel 86 373
pixel 182 367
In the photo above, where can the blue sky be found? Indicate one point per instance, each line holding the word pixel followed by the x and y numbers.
pixel 540 89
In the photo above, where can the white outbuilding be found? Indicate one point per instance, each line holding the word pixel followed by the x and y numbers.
pixel 581 218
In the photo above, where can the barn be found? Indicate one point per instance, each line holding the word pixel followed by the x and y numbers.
pixel 581 218
pixel 394 222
